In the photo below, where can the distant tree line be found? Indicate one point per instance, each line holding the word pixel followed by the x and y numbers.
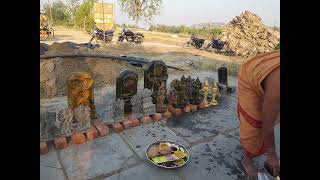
pixel 184 30
pixel 71 13
pixel 76 14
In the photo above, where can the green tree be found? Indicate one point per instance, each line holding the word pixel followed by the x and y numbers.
pixel 59 12
pixel 73 6
pixel 84 17
pixel 139 10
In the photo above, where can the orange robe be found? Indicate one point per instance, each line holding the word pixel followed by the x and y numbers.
pixel 250 100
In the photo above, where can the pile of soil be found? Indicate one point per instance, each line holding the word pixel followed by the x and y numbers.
pixel 54 72
pixel 247 36
pixel 43 48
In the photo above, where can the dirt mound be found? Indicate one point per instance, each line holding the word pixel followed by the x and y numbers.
pixel 247 36
pixel 43 48
pixel 65 47
pixel 54 72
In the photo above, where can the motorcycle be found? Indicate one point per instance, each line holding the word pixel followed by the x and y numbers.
pixel 105 36
pixel 45 32
pixel 196 42
pixel 216 44
pixel 130 36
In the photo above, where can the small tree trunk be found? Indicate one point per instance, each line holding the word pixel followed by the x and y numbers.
pixel 74 23
pixel 137 21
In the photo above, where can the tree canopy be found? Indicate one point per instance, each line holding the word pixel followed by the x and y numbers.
pixel 139 10
pixel 59 12
pixel 84 17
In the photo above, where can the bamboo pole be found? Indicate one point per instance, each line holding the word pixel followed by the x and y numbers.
pixel 51 21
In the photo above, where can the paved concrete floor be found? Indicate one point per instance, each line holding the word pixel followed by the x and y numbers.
pixel 211 135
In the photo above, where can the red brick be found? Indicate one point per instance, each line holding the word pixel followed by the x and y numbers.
pixel 129 117
pixel 146 120
pixel 167 115
pixel 43 148
pixel 206 105
pixel 170 108
pixel 98 123
pixel 201 105
pixel 117 127
pixel 193 107
pixel 103 130
pixel 60 143
pixel 177 112
pixel 92 133
pixel 135 122
pixel 156 116
pixel 78 138
pixel 127 124
pixel 187 109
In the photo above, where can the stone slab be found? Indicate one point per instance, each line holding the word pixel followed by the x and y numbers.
pixel 235 133
pixel 140 137
pixel 219 159
pixel 94 158
pixel 48 173
pixel 207 122
pixel 50 159
pixel 147 172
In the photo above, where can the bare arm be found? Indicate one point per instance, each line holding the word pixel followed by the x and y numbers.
pixel 271 108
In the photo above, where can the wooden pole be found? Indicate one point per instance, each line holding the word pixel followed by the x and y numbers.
pixel 104 27
pixel 51 22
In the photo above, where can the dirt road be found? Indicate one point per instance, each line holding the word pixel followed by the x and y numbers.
pixel 155 42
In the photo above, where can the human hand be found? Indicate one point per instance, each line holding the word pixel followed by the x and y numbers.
pixel 273 163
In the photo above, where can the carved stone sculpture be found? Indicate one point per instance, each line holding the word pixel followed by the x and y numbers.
pixel 80 91
pixel 127 83
pixel 142 104
pixel 155 76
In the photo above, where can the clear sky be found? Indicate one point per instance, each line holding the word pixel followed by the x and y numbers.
pixel 189 12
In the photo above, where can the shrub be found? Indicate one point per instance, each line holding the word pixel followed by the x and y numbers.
pixel 183 30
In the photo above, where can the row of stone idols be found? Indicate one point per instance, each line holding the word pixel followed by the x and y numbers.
pixel 154 97
pixel 81 113
pixel 192 91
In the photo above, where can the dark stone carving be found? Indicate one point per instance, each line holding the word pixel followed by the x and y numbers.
pixel 155 76
pixel 127 83
pixel 223 76
pixel 185 91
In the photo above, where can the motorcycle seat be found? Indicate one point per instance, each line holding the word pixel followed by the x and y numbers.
pixel 140 34
pixel 109 31
pixel 200 40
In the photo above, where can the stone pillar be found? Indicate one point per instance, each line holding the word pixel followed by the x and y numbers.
pixel 80 92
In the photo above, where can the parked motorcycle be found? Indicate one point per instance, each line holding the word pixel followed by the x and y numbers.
pixel 196 42
pixel 130 36
pixel 46 31
pixel 216 44
pixel 105 36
